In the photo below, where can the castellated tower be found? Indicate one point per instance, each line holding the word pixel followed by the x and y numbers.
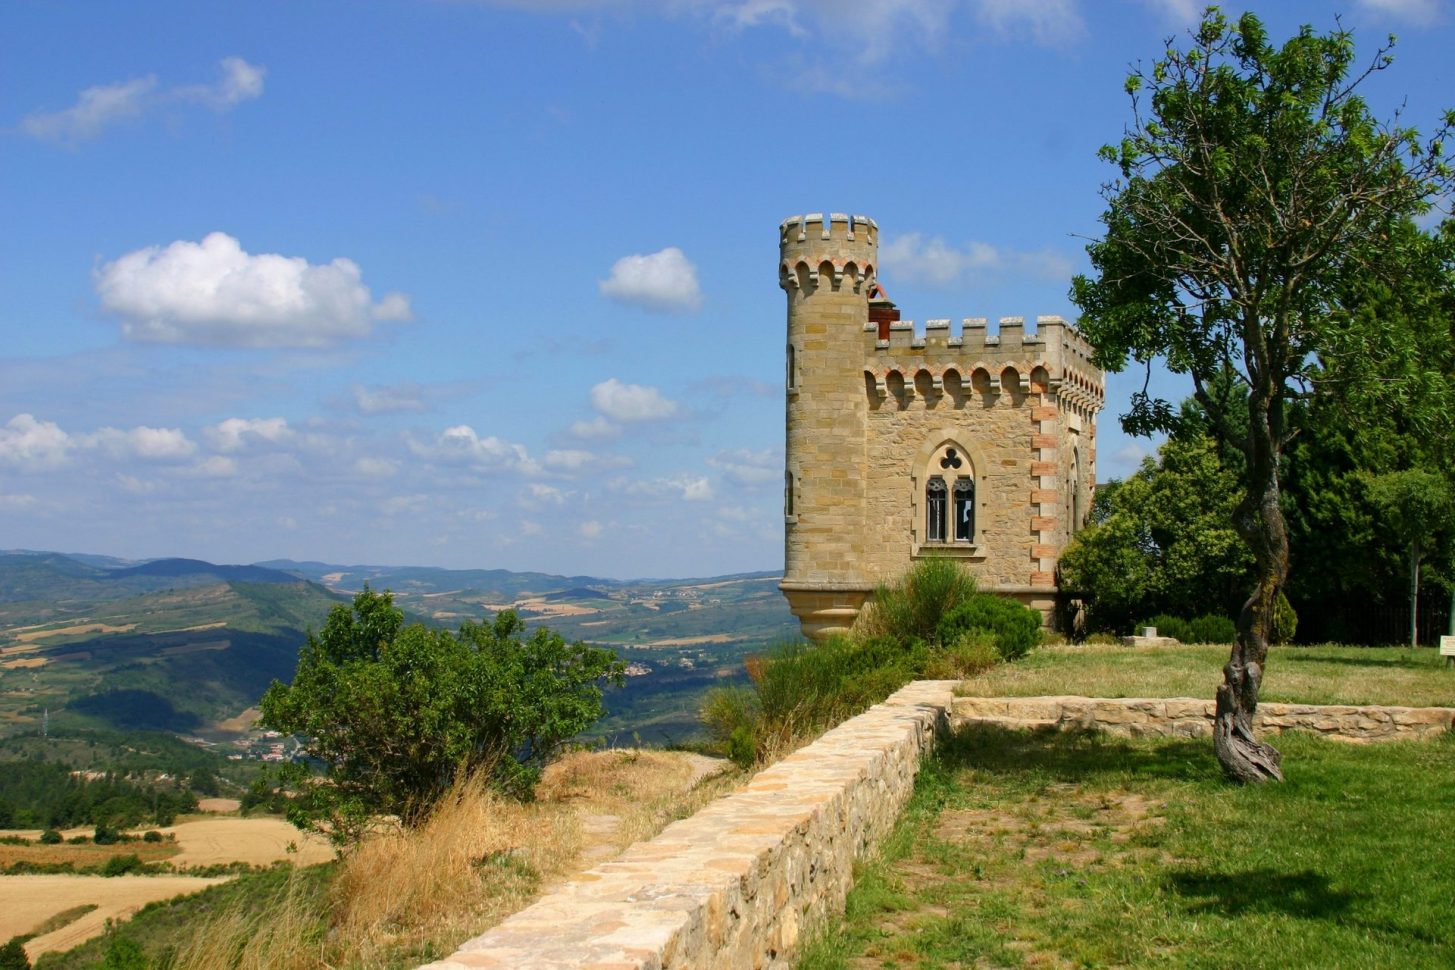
pixel 978 447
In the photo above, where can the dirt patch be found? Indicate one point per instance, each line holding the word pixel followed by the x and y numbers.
pixel 243 722
pixel 692 641
pixel 26 902
pixel 220 806
pixel 65 631
pixel 256 841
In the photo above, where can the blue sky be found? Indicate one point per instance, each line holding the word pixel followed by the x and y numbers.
pixel 493 284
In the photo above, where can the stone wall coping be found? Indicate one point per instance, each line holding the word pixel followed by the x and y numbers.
pixel 736 884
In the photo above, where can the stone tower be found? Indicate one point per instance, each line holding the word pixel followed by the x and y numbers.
pixel 978 447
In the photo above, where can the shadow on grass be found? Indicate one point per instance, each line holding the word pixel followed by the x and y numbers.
pixel 1389 663
pixel 1306 894
pixel 1077 756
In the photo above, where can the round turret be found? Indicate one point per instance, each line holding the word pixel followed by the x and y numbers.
pixel 826 267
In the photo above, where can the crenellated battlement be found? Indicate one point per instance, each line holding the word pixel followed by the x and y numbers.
pixel 816 250
pixel 1055 358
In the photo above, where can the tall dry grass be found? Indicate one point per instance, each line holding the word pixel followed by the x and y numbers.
pixel 406 895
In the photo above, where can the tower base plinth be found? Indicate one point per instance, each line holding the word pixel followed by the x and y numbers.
pixel 825 609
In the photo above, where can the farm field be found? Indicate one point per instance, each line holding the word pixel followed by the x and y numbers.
pixel 26 902
pixel 256 841
pixel 1310 675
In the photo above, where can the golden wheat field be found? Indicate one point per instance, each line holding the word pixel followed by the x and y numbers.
pixel 256 841
pixel 26 902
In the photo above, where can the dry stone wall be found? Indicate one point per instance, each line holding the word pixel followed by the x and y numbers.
pixel 1193 718
pixel 738 884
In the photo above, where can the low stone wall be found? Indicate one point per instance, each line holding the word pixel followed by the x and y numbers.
pixel 1193 718
pixel 739 883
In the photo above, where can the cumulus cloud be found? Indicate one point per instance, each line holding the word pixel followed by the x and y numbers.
pixel 33 445
pixel 589 530
pixel 235 434
pixel 572 461
pixel 1422 12
pixel 370 467
pixel 748 467
pixel 597 427
pixel 1182 13
pixel 461 445
pixel 214 293
pixel 152 444
pixel 664 282
pixel 104 105
pixel 631 402
pixel 937 263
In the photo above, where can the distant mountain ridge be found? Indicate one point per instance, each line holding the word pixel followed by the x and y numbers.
pixel 195 567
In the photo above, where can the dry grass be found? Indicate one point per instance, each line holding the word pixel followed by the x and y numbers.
pixel 85 855
pixel 415 894
pixel 1311 675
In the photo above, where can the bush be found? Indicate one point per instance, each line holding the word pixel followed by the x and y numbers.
pixel 12 955
pixel 732 715
pixel 106 835
pixel 50 837
pixel 1285 621
pixel 1168 626
pixel 398 713
pixel 152 836
pixel 974 653
pixel 1015 628
pixel 912 608
pixel 121 865
pixel 1213 629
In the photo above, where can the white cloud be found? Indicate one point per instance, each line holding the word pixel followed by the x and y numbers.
pixel 388 398
pixel 33 445
pixel 630 402
pixel 96 109
pixel 376 467
pixel 213 293
pixel 1423 12
pixel 914 258
pixel 589 530
pixel 460 445
pixel 544 493
pixel 747 467
pixel 1049 22
pixel 688 488
pixel 235 434
pixel 597 427
pixel 571 461
pixel 1183 13
pixel 104 105
pixel 218 466
pixel 240 82
pixel 665 282
pixel 16 503
pixel 153 444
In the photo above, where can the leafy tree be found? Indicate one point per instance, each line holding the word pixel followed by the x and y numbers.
pixel 1416 503
pixel 1161 541
pixel 397 713
pixel 1258 203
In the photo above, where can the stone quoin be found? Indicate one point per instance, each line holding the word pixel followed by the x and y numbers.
pixel 978 447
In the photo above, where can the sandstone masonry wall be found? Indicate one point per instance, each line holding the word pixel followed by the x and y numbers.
pixel 1193 718
pixel 739 883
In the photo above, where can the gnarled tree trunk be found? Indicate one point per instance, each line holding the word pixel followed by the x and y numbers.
pixel 1260 523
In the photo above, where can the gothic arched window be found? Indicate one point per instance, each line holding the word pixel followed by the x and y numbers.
pixel 935 509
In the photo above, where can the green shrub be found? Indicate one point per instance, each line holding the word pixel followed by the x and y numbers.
pixel 1168 626
pixel 732 715
pixel 1285 621
pixel 1015 628
pixel 1213 629
pixel 742 747
pixel 106 835
pixel 121 865
pixel 50 837
pixel 152 836
pixel 911 609
pixel 973 653
pixel 12 955
pixel 124 954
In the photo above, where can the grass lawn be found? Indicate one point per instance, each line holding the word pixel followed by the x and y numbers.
pixel 1082 850
pixel 1311 675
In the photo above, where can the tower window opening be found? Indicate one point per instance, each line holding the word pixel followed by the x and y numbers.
pixel 936 511
pixel 964 510
pixel 792 367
